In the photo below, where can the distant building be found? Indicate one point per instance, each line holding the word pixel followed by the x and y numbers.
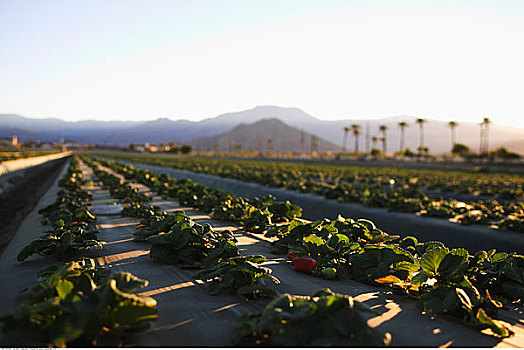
pixel 71 144
pixel 136 148
pixel 45 145
pixel 153 148
pixel 9 142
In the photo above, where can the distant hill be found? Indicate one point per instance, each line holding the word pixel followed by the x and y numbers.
pixel 255 137
pixel 437 134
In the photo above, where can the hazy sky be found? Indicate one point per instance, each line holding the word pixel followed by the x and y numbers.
pixel 139 60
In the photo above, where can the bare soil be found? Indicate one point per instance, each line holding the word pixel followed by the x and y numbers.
pixel 22 193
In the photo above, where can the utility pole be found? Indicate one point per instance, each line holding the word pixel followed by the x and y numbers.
pixel 302 142
pixel 314 144
pixel 367 137
pixel 481 146
pixel 260 143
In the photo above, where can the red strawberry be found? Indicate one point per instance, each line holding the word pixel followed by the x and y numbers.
pixel 304 264
pixel 292 255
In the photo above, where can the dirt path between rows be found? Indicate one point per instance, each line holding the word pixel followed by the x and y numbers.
pixel 21 192
pixel 15 276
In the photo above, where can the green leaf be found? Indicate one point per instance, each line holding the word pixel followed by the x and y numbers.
pixel 36 247
pixel 63 288
pixel 338 241
pixel 496 326
pixel 127 282
pixel 453 265
pixel 408 266
pixel 313 239
pixel 431 260
pixel 420 278
pixel 499 257
pixel 129 314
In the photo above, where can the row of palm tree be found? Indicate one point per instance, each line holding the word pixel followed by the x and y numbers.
pixel 355 128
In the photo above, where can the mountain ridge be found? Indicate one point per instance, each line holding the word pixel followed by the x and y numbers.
pixel 437 133
pixel 255 136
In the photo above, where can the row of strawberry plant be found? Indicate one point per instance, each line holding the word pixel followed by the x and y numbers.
pixel 443 280
pixel 254 215
pixel 178 240
pixel 6 155
pixel 472 287
pixel 282 173
pixel 72 224
pixel 395 189
pixel 76 303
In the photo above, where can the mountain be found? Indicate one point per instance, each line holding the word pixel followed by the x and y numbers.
pixel 255 137
pixel 437 134
pixel 290 116
pixel 52 129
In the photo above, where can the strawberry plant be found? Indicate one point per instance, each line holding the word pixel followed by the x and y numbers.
pixel 141 210
pixel 513 223
pixel 80 313
pixel 65 243
pixel 498 274
pixel 232 209
pixel 240 274
pixel 79 276
pixel 281 211
pixel 322 319
pixel 189 243
pixel 257 221
pixel 445 289
pixel 156 223
pixel 377 261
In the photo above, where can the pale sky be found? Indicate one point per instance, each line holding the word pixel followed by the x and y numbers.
pixel 142 60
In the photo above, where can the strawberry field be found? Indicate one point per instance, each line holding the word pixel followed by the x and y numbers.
pixel 494 200
pixel 183 264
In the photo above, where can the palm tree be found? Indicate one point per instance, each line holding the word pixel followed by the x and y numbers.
pixel 344 141
pixel 420 122
pixel 402 126
pixel 356 133
pixel 486 123
pixel 481 146
pixel 383 130
pixel 374 141
pixel 452 125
